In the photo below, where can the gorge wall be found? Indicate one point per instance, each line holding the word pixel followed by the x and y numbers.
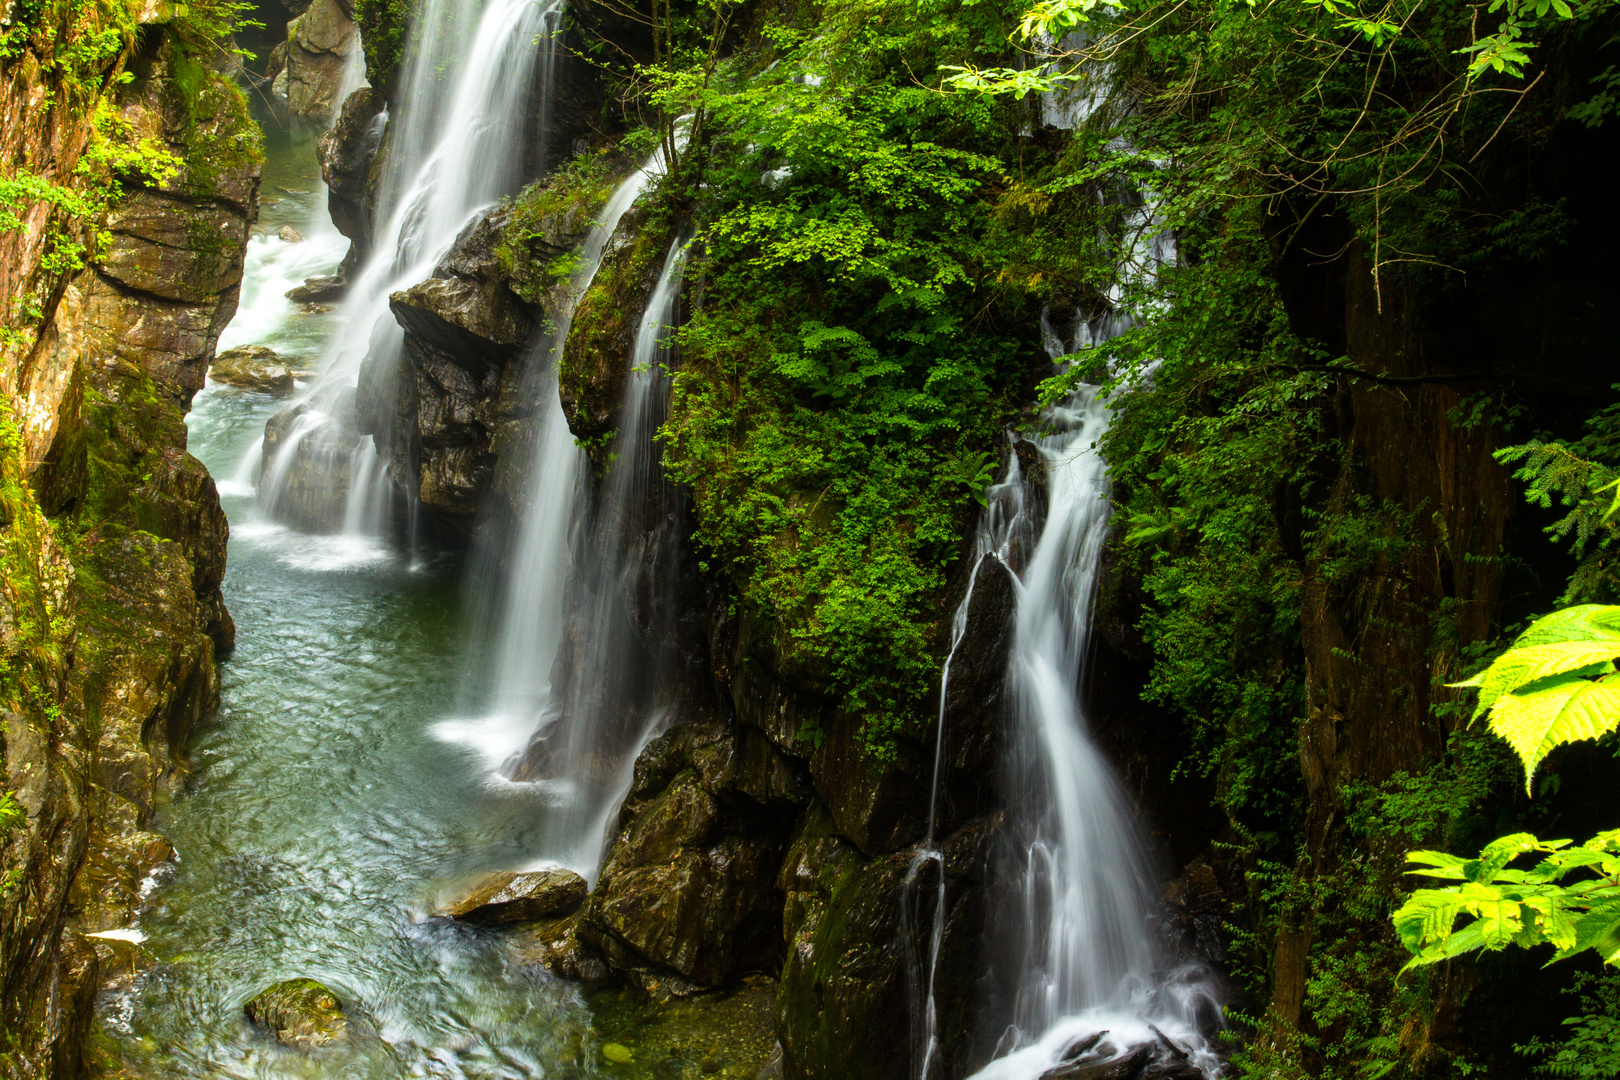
pixel 121 266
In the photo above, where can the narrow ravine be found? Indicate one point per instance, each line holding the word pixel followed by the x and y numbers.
pixel 322 824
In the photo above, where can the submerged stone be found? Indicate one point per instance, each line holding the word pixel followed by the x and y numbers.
pixel 508 897
pixel 300 1013
pixel 617 1053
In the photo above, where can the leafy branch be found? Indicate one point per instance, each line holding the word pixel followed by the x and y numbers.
pixel 1553 686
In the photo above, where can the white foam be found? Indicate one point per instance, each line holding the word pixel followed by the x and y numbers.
pixel 234 489
pixel 128 934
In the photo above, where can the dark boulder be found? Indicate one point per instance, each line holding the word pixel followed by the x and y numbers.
pixel 317 290
pixel 465 332
pixel 509 897
pixel 347 152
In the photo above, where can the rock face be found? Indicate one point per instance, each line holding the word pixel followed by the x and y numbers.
pixel 465 341
pixel 300 1013
pixel 348 152
pixel 253 367
pixel 744 846
pixel 689 886
pixel 320 45
pixel 530 897
pixel 110 638
pixel 313 454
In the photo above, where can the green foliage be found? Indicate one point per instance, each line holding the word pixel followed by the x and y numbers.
pixel 1547 690
pixel 532 250
pixel 867 321
pixel 382 33
pixel 1552 687
pixel 1522 907
pixel 1215 461
pixel 12 817
pixel 1579 477
pixel 1591 1048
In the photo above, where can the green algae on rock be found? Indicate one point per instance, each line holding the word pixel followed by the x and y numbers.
pixel 301 1013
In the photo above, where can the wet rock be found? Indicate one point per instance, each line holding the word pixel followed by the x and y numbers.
pixel 346 153
pixel 313 453
pixel 319 45
pixel 290 235
pixel 593 368
pixel 465 332
pixel 318 289
pixel 300 1013
pixel 508 897
pixel 119 634
pixel 555 945
pixel 1126 1067
pixel 253 367
pixel 687 890
pixel 880 805
pixel 976 693
pixel 852 947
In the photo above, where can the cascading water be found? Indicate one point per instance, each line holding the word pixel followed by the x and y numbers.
pixel 444 165
pixel 1073 856
pixel 1078 967
pixel 607 709
pixel 532 730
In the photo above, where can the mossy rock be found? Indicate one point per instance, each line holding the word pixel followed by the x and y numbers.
pixel 300 1013
pixel 253 367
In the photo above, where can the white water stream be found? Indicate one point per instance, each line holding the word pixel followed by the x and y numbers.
pixel 447 158
pixel 588 755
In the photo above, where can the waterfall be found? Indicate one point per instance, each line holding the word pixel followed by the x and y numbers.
pixel 1073 863
pixel 597 722
pixel 561 736
pixel 443 165
pixel 1073 876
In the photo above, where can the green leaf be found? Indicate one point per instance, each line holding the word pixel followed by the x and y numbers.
pixel 1554 712
pixel 1540 693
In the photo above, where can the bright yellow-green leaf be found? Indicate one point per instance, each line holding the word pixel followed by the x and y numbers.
pixel 1567 710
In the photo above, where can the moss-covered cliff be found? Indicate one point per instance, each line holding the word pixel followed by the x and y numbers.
pixel 132 181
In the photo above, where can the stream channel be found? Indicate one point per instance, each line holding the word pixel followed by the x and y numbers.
pixel 321 823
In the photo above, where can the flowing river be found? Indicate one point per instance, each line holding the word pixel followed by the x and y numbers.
pixel 322 823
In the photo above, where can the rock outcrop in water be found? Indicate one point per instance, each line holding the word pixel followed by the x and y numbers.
pixel 300 1013
pixel 114 548
pixel 466 334
pixel 516 898
pixel 348 153
pixel 308 67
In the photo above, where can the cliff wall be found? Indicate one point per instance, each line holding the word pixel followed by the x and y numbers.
pixel 114 543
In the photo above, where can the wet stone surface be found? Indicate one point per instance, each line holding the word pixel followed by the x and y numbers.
pixel 300 1013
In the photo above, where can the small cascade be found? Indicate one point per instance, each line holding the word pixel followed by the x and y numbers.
pixel 1080 980
pixel 1004 534
pixel 529 730
pixel 448 158
pixel 1073 862
pixel 607 708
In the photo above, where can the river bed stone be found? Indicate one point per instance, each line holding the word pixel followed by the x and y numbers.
pixel 510 897
pixel 300 1013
